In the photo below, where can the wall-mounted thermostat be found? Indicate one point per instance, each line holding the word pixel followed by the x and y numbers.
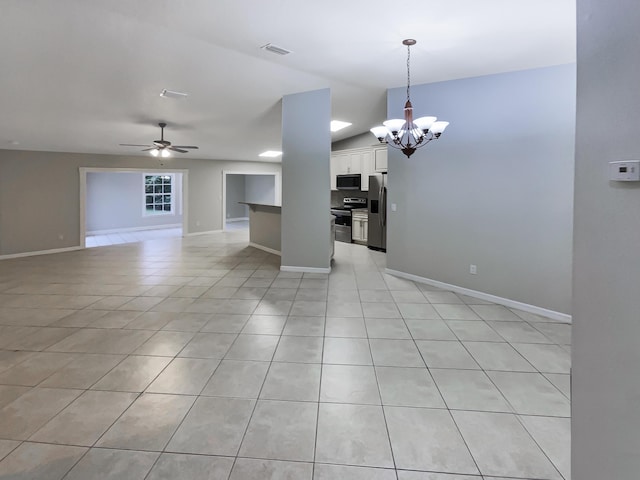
pixel 625 171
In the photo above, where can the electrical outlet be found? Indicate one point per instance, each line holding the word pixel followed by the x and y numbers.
pixel 60 236
pixel 197 223
pixel 473 269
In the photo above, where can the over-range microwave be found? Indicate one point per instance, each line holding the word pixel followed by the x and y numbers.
pixel 348 182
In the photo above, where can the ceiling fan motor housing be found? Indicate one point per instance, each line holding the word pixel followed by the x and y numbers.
pixel 162 144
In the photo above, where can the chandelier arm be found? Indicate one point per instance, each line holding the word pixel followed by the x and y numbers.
pixel 425 142
pixel 396 146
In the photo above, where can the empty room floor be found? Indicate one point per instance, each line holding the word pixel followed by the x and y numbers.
pixel 117 238
pixel 195 358
pixel 236 225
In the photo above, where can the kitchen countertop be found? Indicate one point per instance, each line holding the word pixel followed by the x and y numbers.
pixel 251 204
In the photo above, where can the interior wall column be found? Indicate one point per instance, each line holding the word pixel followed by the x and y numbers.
pixel 306 189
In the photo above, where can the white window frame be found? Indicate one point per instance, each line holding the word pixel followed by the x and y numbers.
pixel 172 183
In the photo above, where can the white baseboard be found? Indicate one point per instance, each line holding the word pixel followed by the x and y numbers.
pixel 133 229
pixel 525 307
pixel 285 268
pixel 194 234
pixel 40 252
pixel 238 219
pixel 266 249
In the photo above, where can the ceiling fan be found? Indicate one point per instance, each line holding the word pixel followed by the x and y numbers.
pixel 162 146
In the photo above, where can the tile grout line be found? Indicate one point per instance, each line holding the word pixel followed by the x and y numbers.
pixel 515 414
pixel 315 442
pixel 198 396
pixel 255 405
pixel 384 415
pixel 442 397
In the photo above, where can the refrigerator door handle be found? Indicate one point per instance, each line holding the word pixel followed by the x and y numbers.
pixel 384 202
pixel 380 211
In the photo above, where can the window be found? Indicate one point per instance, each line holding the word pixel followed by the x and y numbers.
pixel 158 194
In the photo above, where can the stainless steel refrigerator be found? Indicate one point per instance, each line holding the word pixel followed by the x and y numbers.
pixel 377 239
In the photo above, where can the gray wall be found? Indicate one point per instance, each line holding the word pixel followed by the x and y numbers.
pixel 235 194
pixel 306 146
pixel 249 188
pixel 260 189
pixel 606 313
pixel 40 194
pixel 362 140
pixel 115 201
pixel 495 191
pixel 266 226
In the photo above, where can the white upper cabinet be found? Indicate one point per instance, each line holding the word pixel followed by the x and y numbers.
pixel 335 159
pixel 380 159
pixel 353 162
pixel 342 163
pixel 367 169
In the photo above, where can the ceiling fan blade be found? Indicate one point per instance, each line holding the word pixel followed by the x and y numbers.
pixel 133 145
pixel 185 146
pixel 176 149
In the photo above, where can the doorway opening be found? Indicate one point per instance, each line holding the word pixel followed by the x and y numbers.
pixel 239 188
pixel 131 205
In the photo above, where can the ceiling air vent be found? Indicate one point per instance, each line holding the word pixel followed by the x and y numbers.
pixel 173 94
pixel 275 49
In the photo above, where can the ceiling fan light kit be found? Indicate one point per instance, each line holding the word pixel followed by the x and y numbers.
pixel 162 147
pixel 408 134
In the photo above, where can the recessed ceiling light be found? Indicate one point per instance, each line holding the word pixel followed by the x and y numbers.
pixel 338 125
pixel 173 94
pixel 270 47
pixel 270 154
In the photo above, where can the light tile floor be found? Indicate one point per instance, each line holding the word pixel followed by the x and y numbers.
pixel 237 225
pixel 117 238
pixel 195 358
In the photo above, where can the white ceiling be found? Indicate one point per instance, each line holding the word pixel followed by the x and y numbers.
pixel 85 75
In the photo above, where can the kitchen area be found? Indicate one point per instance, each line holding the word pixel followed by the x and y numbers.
pixel 358 204
pixel 359 196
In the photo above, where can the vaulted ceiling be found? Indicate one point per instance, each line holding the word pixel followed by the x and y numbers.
pixel 85 75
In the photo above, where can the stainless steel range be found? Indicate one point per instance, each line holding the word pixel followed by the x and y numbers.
pixel 343 217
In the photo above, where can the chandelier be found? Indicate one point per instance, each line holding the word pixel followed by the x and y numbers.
pixel 408 134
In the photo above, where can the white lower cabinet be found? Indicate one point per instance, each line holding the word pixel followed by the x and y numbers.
pixel 359 227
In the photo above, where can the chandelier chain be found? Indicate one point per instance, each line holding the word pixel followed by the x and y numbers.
pixel 408 70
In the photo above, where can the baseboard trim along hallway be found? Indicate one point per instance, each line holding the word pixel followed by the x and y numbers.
pixel 40 252
pixel 525 307
pixel 265 249
pixel 285 268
